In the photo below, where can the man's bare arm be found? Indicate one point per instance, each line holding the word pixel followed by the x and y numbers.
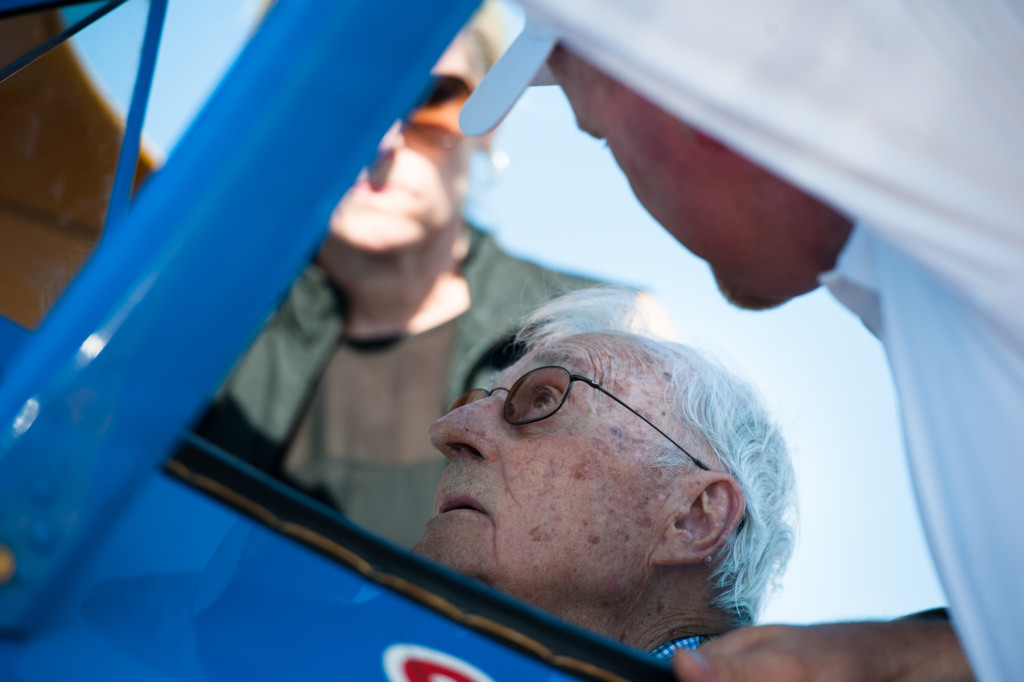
pixel 906 650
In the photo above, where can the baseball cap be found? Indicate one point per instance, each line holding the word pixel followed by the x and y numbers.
pixel 523 64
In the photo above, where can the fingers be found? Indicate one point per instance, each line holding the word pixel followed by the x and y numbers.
pixel 692 666
pixel 767 653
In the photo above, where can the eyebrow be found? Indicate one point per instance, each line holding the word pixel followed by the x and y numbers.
pixel 556 357
pixel 561 358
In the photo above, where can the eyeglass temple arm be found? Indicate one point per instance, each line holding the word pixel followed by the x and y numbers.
pixel 594 384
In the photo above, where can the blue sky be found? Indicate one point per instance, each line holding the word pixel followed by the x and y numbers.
pixel 562 200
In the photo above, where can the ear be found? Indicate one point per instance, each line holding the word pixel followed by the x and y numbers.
pixel 702 522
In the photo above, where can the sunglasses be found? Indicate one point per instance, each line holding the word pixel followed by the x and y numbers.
pixel 435 122
pixel 541 392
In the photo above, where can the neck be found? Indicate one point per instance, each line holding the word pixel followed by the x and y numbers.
pixel 655 617
pixel 404 291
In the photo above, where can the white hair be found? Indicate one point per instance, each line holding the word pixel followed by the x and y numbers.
pixel 715 406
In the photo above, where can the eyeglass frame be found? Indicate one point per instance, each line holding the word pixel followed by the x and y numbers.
pixel 459 402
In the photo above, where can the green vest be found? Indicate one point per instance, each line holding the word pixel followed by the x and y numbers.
pixel 256 412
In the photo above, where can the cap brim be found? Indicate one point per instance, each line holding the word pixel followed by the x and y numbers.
pixel 522 65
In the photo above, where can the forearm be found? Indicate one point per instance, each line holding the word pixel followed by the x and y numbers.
pixel 904 650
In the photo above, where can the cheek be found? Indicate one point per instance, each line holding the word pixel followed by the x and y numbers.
pixel 658 179
pixel 583 504
pixel 454 168
pixel 445 183
pixel 416 168
pixel 665 161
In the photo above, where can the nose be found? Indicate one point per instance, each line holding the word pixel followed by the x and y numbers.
pixel 392 138
pixel 377 172
pixel 468 431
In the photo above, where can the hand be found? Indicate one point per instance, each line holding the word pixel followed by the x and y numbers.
pixel 841 652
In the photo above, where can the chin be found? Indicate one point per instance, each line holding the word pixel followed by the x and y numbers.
pixel 381 236
pixel 741 298
pixel 437 546
pixel 748 301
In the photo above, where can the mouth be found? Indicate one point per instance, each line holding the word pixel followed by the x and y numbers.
pixel 460 502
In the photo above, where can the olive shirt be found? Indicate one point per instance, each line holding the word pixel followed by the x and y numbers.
pixel 362 443
pixel 260 409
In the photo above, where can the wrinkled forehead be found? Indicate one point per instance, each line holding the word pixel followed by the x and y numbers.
pixel 613 360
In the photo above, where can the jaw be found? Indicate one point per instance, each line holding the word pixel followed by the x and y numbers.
pixel 748 298
pixel 459 539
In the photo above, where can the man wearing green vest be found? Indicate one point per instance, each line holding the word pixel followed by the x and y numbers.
pixel 405 307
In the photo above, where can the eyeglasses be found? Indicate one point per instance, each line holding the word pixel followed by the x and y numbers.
pixel 435 123
pixel 541 392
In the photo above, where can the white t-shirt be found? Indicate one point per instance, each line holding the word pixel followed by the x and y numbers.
pixel 960 379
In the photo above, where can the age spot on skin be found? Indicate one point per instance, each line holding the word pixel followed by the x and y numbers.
pixel 593 539
pixel 538 535
pixel 617 432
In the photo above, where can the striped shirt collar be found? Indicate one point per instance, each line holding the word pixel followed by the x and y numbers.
pixel 689 643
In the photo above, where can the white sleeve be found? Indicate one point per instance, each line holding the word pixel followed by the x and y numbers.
pixel 960 380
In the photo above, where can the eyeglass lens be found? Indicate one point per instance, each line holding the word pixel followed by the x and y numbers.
pixel 534 396
pixel 436 121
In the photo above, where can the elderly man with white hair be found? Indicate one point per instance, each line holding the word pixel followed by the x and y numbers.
pixel 624 483
pixel 650 504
